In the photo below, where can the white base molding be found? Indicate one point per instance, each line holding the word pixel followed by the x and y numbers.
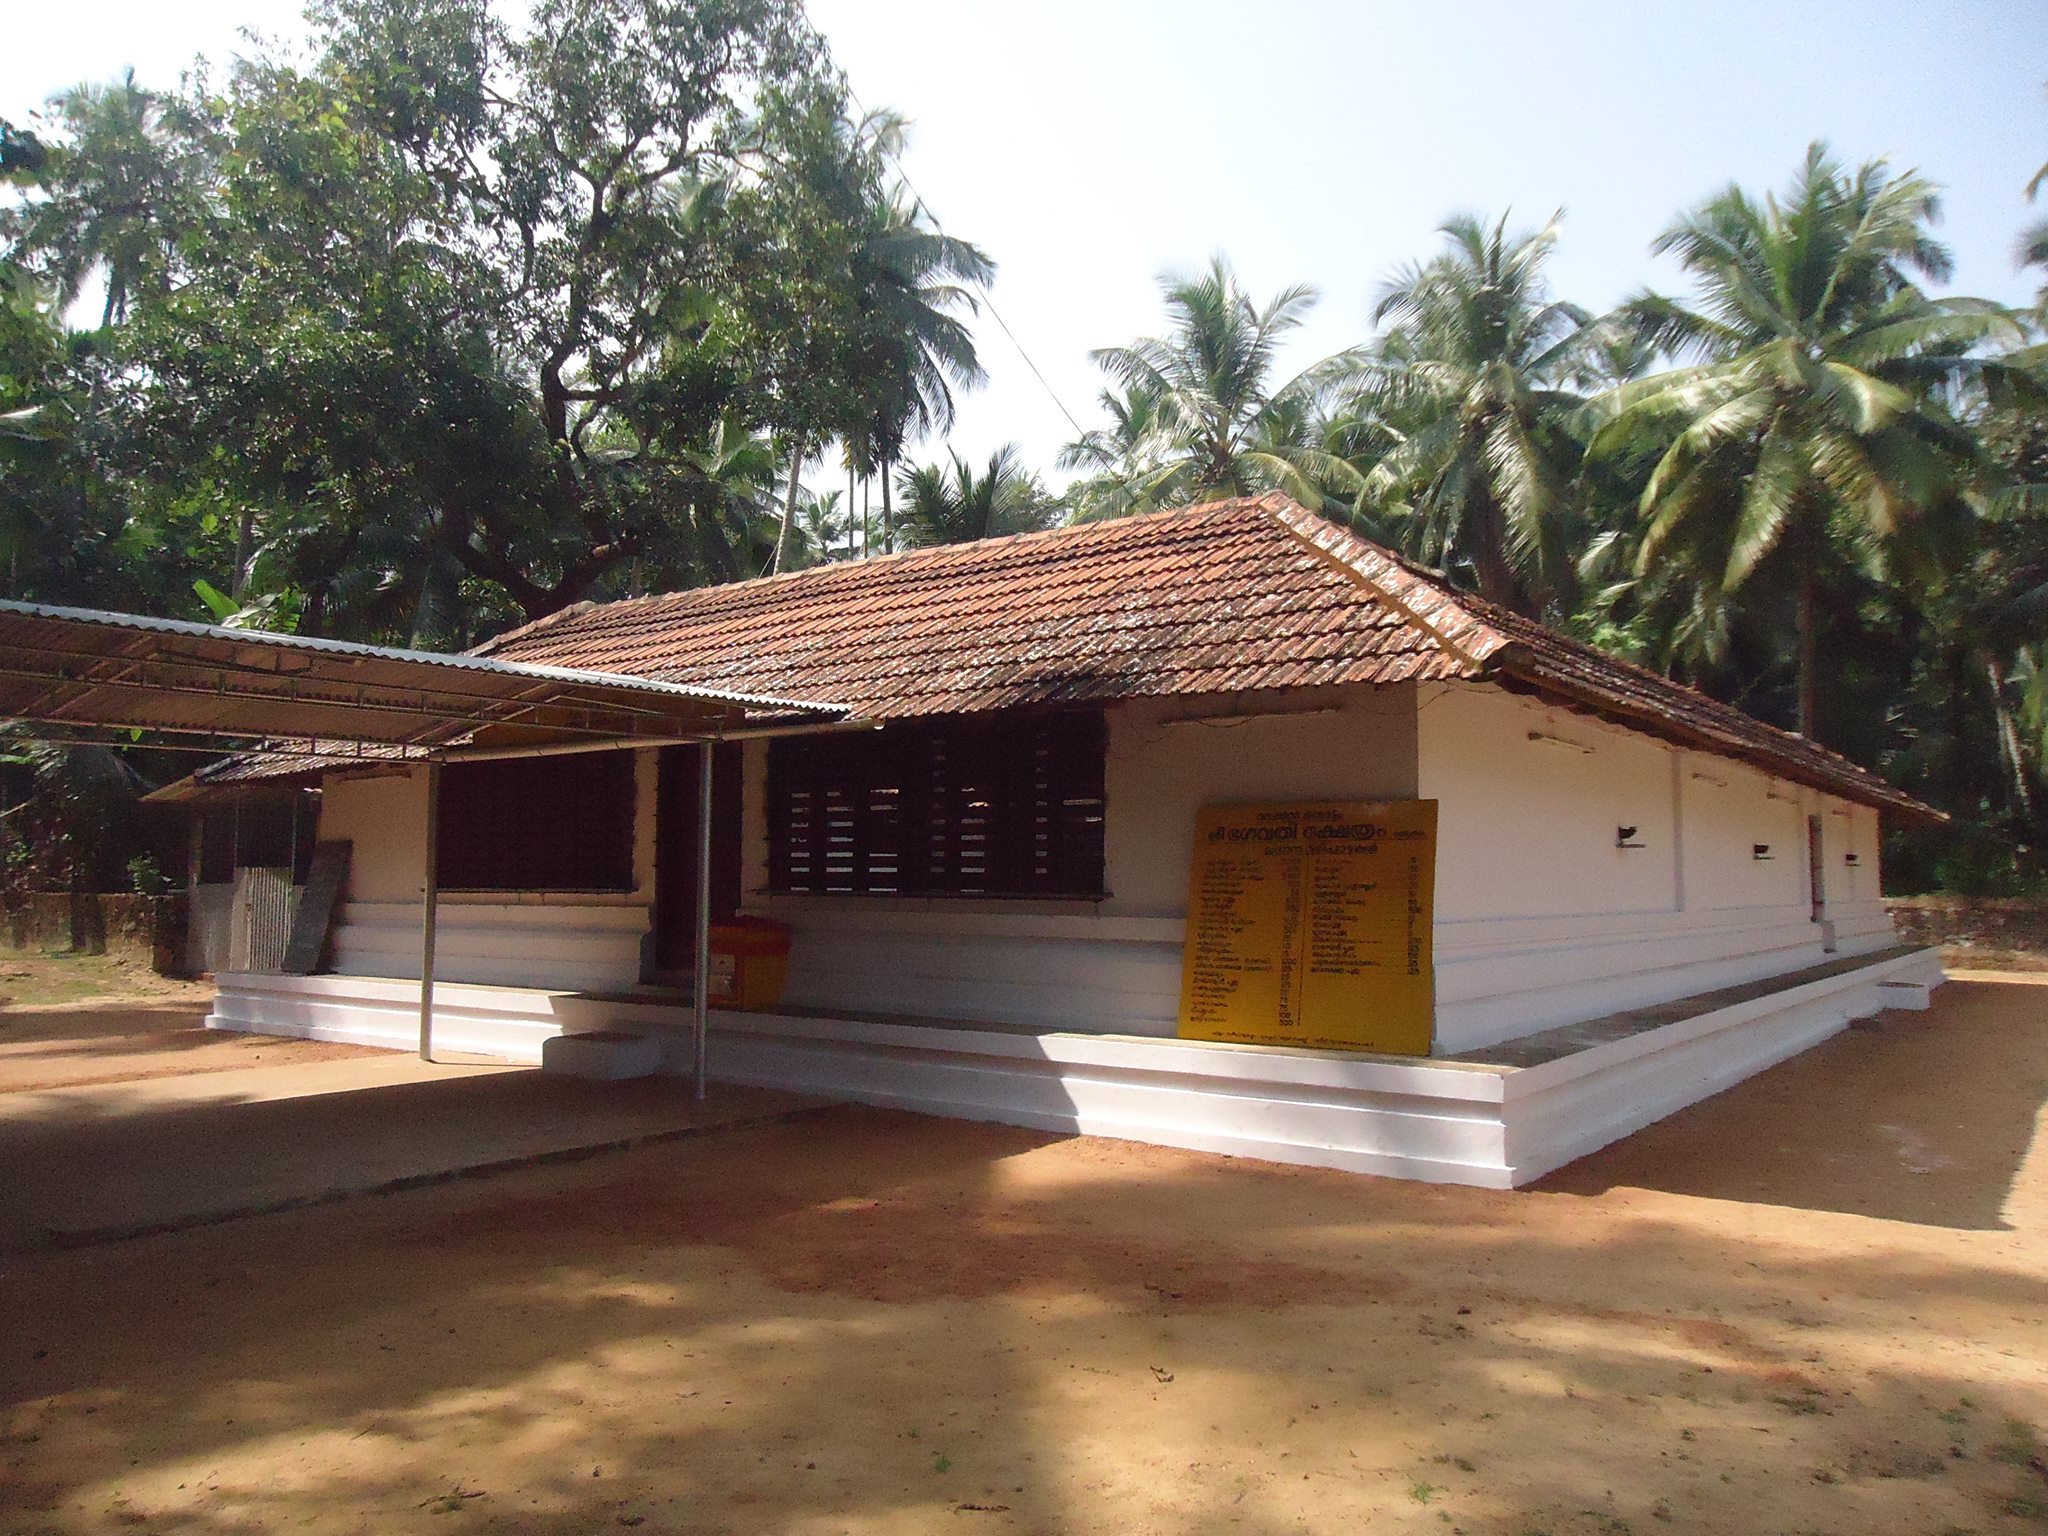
pixel 602 1055
pixel 1540 1103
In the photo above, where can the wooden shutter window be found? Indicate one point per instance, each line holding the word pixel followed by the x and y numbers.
pixel 963 806
pixel 538 823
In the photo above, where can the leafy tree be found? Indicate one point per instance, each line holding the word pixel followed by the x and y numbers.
pixel 72 823
pixel 874 336
pixel 460 323
pixel 1471 388
pixel 1201 411
pixel 114 187
pixel 955 505
pixel 1118 457
pixel 563 200
pixel 74 526
pixel 1991 616
pixel 1813 441
pixel 2032 250
pixel 824 525
pixel 22 153
pixel 728 477
pixel 921 281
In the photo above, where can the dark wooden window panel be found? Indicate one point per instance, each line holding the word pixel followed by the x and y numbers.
pixel 676 825
pixel 962 806
pixel 560 823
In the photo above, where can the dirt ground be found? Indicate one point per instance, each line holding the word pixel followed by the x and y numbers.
pixel 71 1020
pixel 33 977
pixel 1972 957
pixel 1818 1303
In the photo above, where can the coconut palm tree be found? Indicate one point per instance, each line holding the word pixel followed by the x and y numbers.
pixel 822 529
pixel 1200 416
pixel 913 287
pixel 728 474
pixel 1115 458
pixel 110 184
pixel 1814 435
pixel 2032 250
pixel 1471 388
pixel 958 506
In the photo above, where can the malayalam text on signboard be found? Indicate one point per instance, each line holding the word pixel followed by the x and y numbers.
pixel 1310 925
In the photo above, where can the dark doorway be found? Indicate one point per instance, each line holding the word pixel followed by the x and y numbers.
pixel 675 849
pixel 1816 871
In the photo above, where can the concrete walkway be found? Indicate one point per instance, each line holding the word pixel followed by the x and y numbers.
pixel 98 1163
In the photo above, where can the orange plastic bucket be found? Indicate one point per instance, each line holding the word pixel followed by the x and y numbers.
pixel 749 962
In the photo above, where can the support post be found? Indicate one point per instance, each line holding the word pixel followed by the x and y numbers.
pixel 195 958
pixel 432 893
pixel 701 1000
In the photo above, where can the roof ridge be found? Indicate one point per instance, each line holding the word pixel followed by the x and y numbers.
pixel 1233 593
pixel 1499 626
pixel 1328 540
pixel 935 553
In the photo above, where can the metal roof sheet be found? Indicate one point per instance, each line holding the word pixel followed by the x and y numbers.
pixel 81 669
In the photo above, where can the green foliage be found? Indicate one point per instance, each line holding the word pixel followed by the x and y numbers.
pixel 1814 447
pixel 1809 488
pixel 866 296
pixel 458 321
pixel 956 506
pixel 116 176
pixel 72 818
pixel 1200 416
pixel 1467 393
pixel 466 315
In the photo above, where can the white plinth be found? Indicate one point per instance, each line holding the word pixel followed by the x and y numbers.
pixel 603 1055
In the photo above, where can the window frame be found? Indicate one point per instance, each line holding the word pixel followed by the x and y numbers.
pixel 1004 806
pixel 583 801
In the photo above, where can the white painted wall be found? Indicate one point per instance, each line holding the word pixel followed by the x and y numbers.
pixel 385 819
pixel 1164 767
pixel 1854 894
pixel 1111 966
pixel 1467 1123
pixel 1526 828
pixel 1729 811
pixel 576 940
pixel 1543 920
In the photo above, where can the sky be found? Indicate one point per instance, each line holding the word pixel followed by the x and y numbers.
pixel 1091 145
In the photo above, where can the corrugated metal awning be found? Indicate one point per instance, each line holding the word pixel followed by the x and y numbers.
pixel 77 671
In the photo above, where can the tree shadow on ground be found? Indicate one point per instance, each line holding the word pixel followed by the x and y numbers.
pixel 118 1026
pixel 884 1322
pixel 876 1321
pixel 125 1158
pixel 1917 1117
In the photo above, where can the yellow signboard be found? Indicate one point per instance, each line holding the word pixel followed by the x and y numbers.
pixel 1310 925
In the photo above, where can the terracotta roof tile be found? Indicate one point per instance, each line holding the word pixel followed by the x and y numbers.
pixel 1518 652
pixel 1218 598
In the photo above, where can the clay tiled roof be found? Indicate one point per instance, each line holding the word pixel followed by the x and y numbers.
pixel 1521 654
pixel 1232 595
pixel 1207 600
